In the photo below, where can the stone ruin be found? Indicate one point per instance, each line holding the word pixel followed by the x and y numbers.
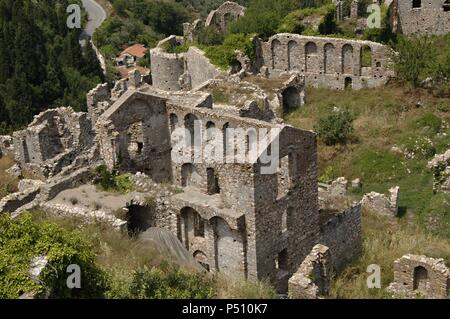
pixel 6 145
pixel 328 62
pixel 382 204
pixel 425 17
pixel 219 19
pixel 440 166
pixel 229 216
pixel 420 276
pixel 408 17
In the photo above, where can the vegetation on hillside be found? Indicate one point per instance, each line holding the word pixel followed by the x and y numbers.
pixel 113 264
pixel 398 130
pixel 384 241
pixel 42 64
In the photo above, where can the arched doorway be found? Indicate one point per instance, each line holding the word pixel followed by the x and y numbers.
pixel 348 84
pixel 420 278
pixel 291 99
pixel 139 219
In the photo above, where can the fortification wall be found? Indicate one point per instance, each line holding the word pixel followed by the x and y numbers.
pixel 342 234
pixel 167 69
pixel 328 62
pixel 199 68
pixel 423 17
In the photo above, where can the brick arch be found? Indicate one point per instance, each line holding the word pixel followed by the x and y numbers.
pixel 294 61
pixel 311 58
pixel 329 58
pixel 347 59
pixel 278 62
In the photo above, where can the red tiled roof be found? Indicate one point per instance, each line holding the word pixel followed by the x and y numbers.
pixel 137 50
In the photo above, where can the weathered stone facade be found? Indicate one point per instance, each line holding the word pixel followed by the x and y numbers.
pixel 328 62
pixel 420 276
pixel 218 19
pixel 440 166
pixel 226 13
pixel 52 141
pixel 241 232
pixel 312 279
pixel 382 204
pixel 421 16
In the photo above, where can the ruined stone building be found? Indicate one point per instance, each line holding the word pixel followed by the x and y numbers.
pixel 232 217
pixel 421 16
pixel 219 19
pixel 420 276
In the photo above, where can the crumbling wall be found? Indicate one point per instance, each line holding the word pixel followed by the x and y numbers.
pixel 382 204
pixel 167 68
pixel 328 62
pixel 198 67
pixel 53 140
pixel 312 279
pixel 429 17
pixel 420 276
pixel 440 166
pixel 226 13
pixel 342 233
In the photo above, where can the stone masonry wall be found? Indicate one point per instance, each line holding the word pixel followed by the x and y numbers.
pixel 420 276
pixel 199 68
pixel 430 18
pixel 342 234
pixel 328 62
pixel 167 68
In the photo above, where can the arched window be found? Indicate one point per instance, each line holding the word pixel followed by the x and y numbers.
pixel 420 278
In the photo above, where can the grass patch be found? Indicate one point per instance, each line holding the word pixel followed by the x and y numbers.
pixel 384 242
pixel 383 118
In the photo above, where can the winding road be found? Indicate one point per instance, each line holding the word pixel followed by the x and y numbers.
pixel 96 17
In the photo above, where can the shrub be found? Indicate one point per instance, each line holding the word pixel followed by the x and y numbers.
pixel 110 181
pixel 210 36
pixel 335 128
pixel 169 282
pixel 224 55
pixel 21 240
pixel 418 147
pixel 293 22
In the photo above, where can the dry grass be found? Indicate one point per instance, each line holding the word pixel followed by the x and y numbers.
pixel 241 289
pixel 385 241
pixel 8 184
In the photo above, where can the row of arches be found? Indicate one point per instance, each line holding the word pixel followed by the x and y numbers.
pixel 226 247
pixel 230 142
pixel 331 61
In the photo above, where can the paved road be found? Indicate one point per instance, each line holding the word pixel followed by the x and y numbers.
pixel 96 16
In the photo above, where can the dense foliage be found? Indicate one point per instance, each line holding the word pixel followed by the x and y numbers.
pixel 139 21
pixel 170 283
pixel 336 127
pixel 424 61
pixel 41 62
pixel 22 240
